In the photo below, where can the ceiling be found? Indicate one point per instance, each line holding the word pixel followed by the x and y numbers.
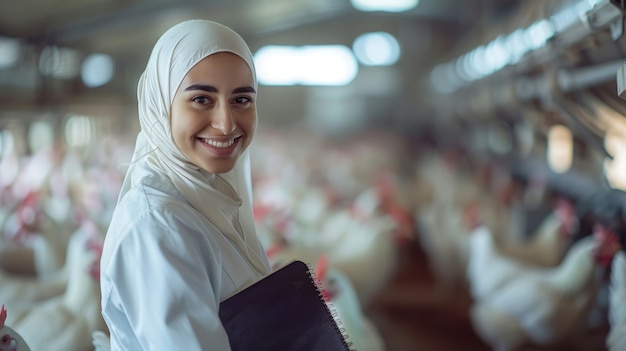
pixel 126 29
pixel 435 33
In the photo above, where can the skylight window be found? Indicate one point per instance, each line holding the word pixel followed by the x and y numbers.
pixel 10 51
pixel 317 65
pixel 97 70
pixel 384 5
pixel 376 49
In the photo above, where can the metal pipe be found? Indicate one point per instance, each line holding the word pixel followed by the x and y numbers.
pixel 578 79
pixel 566 80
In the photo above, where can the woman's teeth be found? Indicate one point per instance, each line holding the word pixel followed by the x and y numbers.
pixel 219 144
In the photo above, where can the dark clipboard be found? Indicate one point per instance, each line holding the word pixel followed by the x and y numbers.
pixel 282 312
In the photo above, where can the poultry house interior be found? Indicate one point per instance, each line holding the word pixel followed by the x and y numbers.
pixel 460 165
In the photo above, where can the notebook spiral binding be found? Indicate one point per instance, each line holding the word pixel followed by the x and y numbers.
pixel 332 311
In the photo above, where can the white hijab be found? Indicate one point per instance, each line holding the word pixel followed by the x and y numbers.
pixel 225 199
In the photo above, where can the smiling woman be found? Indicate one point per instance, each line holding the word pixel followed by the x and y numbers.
pixel 182 237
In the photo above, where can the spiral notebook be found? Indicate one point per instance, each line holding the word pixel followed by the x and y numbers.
pixel 284 311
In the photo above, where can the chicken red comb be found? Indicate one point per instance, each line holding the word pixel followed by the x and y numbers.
pixel 609 244
pixel 260 211
pixel 321 268
pixel 3 316
pixel 273 249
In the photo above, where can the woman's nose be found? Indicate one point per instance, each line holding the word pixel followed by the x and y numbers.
pixel 223 120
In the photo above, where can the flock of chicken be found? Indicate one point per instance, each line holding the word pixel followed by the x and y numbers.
pixel 541 286
pixel 54 210
pixel 343 208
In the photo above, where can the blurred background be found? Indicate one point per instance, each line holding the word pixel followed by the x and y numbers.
pixel 440 162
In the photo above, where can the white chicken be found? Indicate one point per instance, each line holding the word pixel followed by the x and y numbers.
pixel 444 238
pixel 10 340
pixel 367 256
pixel 442 231
pixel 101 341
pixel 343 300
pixel 487 269
pixel 359 241
pixel 364 249
pixel 547 248
pixel 67 321
pixel 616 339
pixel 41 233
pixel 550 241
pixel 23 292
pixel 525 304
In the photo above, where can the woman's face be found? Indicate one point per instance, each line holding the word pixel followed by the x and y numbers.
pixel 213 114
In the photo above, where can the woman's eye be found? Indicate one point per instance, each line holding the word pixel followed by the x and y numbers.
pixel 201 100
pixel 243 100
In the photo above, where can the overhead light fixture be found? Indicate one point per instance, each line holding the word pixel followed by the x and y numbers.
pixel 509 49
pixel 97 70
pixel 10 51
pixel 317 65
pixel 59 62
pixel 376 49
pixel 384 5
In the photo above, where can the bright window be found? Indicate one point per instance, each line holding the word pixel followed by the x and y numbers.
pixel 318 65
pixel 376 49
pixel 384 5
pixel 97 70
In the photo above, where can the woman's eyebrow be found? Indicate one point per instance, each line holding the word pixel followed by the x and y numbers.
pixel 244 90
pixel 208 88
pixel 212 89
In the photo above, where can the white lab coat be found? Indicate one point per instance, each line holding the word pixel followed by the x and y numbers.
pixel 181 239
pixel 165 268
